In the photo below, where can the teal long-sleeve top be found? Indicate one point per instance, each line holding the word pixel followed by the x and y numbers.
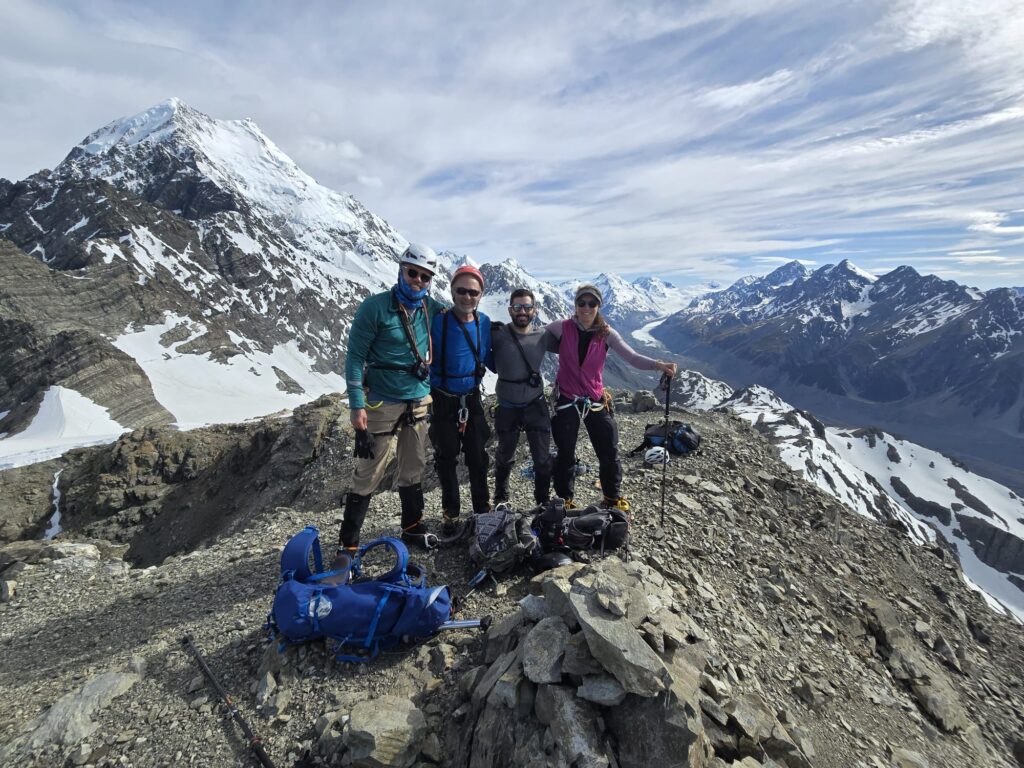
pixel 377 337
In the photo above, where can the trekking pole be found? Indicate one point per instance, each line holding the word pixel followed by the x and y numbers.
pixel 666 383
pixel 483 623
pixel 255 742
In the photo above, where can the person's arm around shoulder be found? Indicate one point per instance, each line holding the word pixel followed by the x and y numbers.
pixel 435 307
pixel 552 336
pixel 487 329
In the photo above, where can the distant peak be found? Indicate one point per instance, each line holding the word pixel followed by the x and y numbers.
pixel 787 273
pixel 849 266
pixel 151 125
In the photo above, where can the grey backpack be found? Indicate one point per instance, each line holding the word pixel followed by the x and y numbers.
pixel 501 540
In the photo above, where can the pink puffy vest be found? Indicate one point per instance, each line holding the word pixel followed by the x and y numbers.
pixel 574 380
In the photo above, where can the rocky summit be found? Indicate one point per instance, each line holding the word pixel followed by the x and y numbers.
pixel 763 624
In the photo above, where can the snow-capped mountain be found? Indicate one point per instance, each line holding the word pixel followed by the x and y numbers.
pixel 501 279
pixel 210 278
pixel 938 361
pixel 892 480
pixel 629 305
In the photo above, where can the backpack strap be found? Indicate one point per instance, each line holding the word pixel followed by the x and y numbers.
pixel 396 574
pixel 295 556
pixel 522 352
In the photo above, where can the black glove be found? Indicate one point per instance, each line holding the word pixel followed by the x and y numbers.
pixel 364 445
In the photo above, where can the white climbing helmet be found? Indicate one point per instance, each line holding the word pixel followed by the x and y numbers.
pixel 656 455
pixel 422 256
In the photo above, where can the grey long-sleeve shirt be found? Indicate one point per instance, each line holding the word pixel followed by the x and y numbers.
pixel 512 369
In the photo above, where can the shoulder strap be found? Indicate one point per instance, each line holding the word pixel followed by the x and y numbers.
pixel 403 314
pixel 519 346
pixel 469 342
pixel 295 556
pixel 396 574
pixel 444 348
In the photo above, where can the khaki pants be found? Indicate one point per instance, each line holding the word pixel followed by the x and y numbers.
pixel 409 442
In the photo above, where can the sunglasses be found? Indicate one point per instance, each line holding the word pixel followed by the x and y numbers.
pixel 590 303
pixel 471 292
pixel 412 274
pixel 522 307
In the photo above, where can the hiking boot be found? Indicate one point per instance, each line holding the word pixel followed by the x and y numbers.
pixel 570 504
pixel 417 535
pixel 414 530
pixel 620 503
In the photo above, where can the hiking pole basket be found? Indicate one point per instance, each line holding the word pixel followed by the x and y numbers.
pixel 666 384
pixel 255 742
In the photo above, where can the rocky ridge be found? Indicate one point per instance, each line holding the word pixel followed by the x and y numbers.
pixel 763 624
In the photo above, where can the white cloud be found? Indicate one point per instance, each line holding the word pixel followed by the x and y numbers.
pixel 680 139
pixel 744 94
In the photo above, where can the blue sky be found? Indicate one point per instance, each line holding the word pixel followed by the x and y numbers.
pixel 694 141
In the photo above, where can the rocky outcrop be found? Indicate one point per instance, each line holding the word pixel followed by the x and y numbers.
pixel 57 330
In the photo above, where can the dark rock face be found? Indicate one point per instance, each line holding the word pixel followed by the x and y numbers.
pixel 919 505
pixel 993 545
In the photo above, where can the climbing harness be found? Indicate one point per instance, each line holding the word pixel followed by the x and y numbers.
pixel 583 406
pixel 462 413
pixel 406 418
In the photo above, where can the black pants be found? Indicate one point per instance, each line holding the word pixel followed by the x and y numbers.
pixel 448 442
pixel 535 420
pixel 604 436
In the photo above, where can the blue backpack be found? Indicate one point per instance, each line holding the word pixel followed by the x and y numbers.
pixel 360 614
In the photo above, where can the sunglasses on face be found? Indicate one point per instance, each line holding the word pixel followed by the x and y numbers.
pixel 522 307
pixel 590 303
pixel 412 274
pixel 471 292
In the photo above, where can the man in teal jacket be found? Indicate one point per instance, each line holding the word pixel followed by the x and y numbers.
pixel 387 370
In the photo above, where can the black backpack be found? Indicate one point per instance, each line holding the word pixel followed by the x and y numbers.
pixel 679 438
pixel 590 529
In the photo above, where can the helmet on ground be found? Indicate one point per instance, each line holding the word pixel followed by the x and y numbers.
pixel 656 455
pixel 422 256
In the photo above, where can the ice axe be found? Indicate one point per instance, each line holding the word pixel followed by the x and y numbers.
pixel 666 384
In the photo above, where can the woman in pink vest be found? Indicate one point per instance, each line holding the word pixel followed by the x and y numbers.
pixel 582 343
